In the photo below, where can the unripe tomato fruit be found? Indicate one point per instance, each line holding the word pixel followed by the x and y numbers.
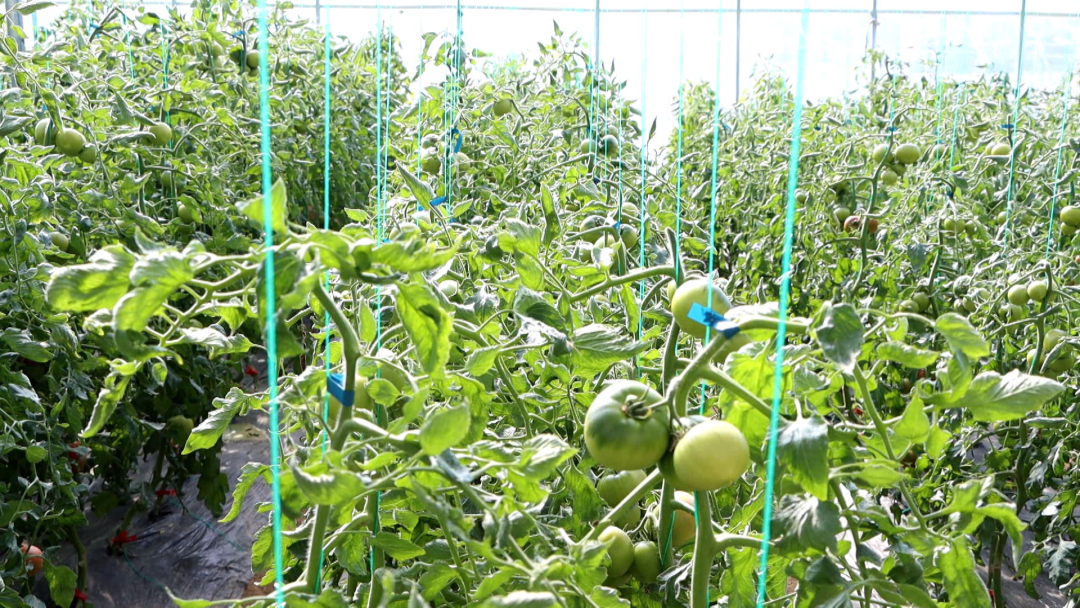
pixel 908 154
pixel 591 222
pixel 1002 217
pixel 609 145
pixel 800 196
pixel 879 152
pixel 909 306
pixel 502 108
pixel 629 236
pixel 682 531
pixel 1018 295
pixel 712 455
pixel 620 550
pixel 1037 290
pixel 33 559
pixel 1068 229
pixel 1000 149
pixel 430 161
pixel 1063 363
pixel 88 154
pixel 646 566
pixel 586 146
pixel 841 214
pixel 629 519
pixel 185 214
pixel 1070 215
pixel 44 134
pixel 252 60
pixel 889 177
pixel 696 291
pixel 922 300
pixel 626 427
pixel 162 133
pixel 70 142
pixel 614 487
pixel 59 240
pixel 1052 338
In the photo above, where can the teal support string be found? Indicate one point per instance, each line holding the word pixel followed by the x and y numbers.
pixel 1015 118
pixel 1065 99
pixel 785 294
pixel 326 275
pixel 380 176
pixel 271 304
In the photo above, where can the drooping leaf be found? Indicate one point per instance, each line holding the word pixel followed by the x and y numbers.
pixel 840 333
pixel 992 397
pixel 803 447
pixel 962 335
pixel 428 326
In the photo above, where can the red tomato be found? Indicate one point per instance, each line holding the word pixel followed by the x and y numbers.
pixel 854 224
pixel 33 557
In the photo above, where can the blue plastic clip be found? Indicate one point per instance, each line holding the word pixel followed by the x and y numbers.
pixel 713 319
pixel 596 180
pixel 1007 126
pixel 457 145
pixel 435 202
pixel 336 385
pixel 892 129
pixel 817 127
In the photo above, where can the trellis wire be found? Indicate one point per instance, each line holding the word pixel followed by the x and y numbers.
pixel 271 303
pixel 785 293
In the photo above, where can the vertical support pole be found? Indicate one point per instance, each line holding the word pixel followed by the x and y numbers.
pixel 873 36
pixel 318 12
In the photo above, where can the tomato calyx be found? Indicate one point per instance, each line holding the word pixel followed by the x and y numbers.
pixel 638 409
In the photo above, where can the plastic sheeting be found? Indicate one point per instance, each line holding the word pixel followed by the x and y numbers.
pixel 184 554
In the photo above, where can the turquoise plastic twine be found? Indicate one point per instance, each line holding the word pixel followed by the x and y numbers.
pixel 1015 118
pixel 326 274
pixel 1057 166
pixel 271 304
pixel 641 196
pixel 785 294
pixel 380 220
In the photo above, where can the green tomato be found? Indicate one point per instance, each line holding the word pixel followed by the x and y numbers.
pixel 889 177
pixel 44 133
pixel 586 146
pixel 609 145
pixel 620 550
pixel 909 306
pixel 178 428
pixel 614 487
pixel 1063 363
pixel 908 154
pixel 1037 290
pixel 502 108
pixel 646 566
pixel 1052 338
pixel 629 236
pixel 591 223
pixel 880 151
pixel 801 196
pixel 712 455
pixel 922 300
pixel 841 214
pixel 1068 229
pixel 252 60
pixel 70 142
pixel 684 528
pixel 1018 295
pixel 696 291
pixel 1000 149
pixel 624 427
pixel 629 519
pixel 430 161
pixel 1002 217
pixel 162 133
pixel 185 214
pixel 1070 214
pixel 59 240
pixel 88 154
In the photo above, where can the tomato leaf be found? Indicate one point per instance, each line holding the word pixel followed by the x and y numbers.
pixel 595 347
pixel 206 434
pixel 108 398
pixel 962 335
pixel 804 522
pixel 428 326
pixel 89 287
pixel 444 429
pixel 396 547
pixel 992 397
pixel 249 474
pixel 840 333
pixel 21 342
pixel 61 583
pixel 906 355
pixel 523 599
pixel 803 447
pixel 323 485
pixel 417 186
pixel 253 208
pixel 961 577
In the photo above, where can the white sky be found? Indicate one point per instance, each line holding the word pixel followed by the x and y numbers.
pixel 839 30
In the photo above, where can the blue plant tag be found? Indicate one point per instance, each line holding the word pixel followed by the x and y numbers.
pixel 435 202
pixel 336 385
pixel 713 319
